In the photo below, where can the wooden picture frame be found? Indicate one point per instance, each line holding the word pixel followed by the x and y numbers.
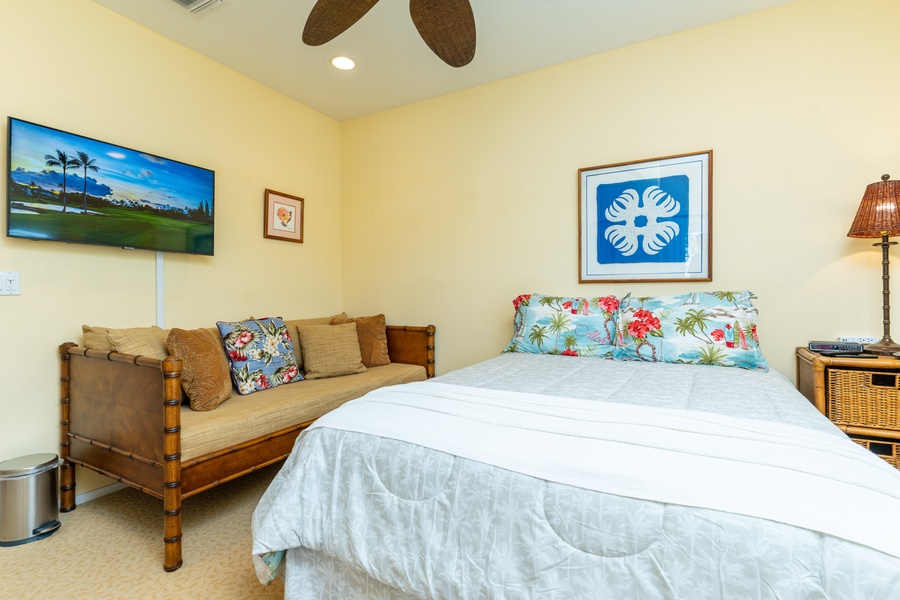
pixel 283 217
pixel 647 220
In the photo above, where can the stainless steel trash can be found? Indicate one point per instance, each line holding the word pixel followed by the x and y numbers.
pixel 29 509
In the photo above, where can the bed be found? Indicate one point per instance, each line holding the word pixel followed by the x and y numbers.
pixel 544 475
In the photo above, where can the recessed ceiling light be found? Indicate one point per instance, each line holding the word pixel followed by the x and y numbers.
pixel 343 63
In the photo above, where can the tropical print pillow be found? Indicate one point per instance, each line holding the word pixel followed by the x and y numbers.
pixel 704 328
pixel 566 326
pixel 261 353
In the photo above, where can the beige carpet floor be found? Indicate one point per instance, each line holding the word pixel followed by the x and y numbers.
pixel 112 548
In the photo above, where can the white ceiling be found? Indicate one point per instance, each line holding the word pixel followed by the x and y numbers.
pixel 261 39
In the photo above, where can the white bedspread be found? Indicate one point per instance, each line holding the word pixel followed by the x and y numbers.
pixel 545 477
pixel 774 471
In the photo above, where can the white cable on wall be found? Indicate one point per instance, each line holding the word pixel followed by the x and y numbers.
pixel 160 291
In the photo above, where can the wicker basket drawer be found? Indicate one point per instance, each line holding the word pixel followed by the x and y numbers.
pixel 889 450
pixel 864 398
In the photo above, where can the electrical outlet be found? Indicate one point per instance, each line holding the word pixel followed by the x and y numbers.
pixel 9 283
pixel 858 340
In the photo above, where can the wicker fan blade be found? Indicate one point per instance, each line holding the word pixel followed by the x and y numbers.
pixel 448 27
pixel 330 18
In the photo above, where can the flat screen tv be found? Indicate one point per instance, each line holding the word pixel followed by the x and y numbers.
pixel 69 188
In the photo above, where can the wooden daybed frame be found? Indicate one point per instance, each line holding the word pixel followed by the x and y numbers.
pixel 121 417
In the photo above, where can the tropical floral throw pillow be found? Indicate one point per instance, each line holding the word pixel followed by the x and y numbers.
pixel 566 326
pixel 261 353
pixel 705 328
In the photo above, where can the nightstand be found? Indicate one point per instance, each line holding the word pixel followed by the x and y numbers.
pixel 859 395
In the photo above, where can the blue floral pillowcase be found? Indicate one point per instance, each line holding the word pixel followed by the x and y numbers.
pixel 566 326
pixel 261 354
pixel 704 328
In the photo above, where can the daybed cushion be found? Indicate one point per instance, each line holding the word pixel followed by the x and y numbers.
pixel 145 341
pixel 140 341
pixel 244 418
pixel 330 350
pixel 372 334
pixel 261 354
pixel 294 326
pixel 204 375
pixel 96 337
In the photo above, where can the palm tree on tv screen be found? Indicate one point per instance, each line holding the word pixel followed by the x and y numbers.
pixel 61 160
pixel 86 162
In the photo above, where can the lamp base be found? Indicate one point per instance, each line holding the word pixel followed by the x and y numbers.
pixel 885 347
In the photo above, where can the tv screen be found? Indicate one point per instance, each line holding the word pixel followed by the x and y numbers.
pixel 69 188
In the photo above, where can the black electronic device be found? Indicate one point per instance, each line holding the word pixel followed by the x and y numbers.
pixel 834 347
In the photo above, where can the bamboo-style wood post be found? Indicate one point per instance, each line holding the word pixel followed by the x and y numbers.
pixel 171 372
pixel 818 367
pixel 67 469
pixel 429 333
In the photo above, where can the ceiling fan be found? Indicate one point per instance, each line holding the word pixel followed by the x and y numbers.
pixel 447 26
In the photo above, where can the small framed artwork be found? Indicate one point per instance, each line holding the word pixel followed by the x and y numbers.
pixel 284 217
pixel 647 220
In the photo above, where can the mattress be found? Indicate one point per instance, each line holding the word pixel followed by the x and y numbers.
pixel 373 510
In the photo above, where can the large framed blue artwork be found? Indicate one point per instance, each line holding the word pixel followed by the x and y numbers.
pixel 648 220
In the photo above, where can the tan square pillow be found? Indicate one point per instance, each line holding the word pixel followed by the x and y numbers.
pixel 96 338
pixel 372 339
pixel 330 350
pixel 205 376
pixel 143 341
pixel 294 326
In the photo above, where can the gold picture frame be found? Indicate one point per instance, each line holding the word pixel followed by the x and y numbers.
pixel 283 217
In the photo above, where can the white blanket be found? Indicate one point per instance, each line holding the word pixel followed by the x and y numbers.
pixel 769 470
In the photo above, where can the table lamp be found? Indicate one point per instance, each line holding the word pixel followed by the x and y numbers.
pixel 878 216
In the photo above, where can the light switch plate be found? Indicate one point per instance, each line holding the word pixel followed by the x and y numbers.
pixel 9 283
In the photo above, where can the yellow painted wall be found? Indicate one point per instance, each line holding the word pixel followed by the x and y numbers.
pixel 443 211
pixel 76 66
pixel 453 206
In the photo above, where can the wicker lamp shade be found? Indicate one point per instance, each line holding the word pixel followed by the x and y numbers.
pixel 879 211
pixel 878 216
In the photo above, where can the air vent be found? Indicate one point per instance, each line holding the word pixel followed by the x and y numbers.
pixel 201 6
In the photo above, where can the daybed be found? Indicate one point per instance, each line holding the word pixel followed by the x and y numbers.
pixel 122 415
pixel 633 448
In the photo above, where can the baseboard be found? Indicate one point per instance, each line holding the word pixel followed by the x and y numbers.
pixel 98 493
